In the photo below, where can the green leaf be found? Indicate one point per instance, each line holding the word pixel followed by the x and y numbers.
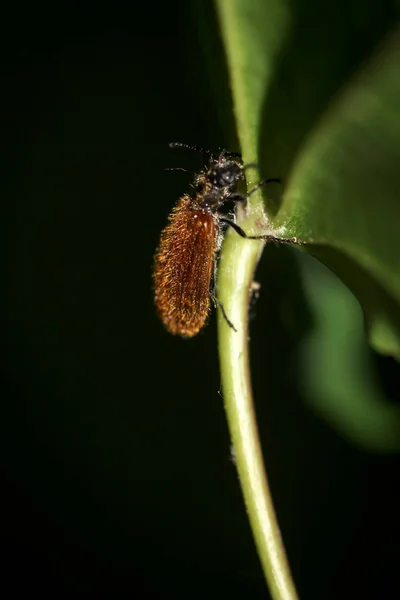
pixel 317 99
pixel 345 191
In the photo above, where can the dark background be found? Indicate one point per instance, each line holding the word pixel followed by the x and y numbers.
pixel 116 468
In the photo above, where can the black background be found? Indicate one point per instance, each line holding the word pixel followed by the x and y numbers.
pixel 115 457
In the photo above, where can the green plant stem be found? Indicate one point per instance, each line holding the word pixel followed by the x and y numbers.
pixel 237 265
pixel 238 262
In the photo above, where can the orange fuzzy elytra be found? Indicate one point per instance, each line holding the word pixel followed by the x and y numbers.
pixel 183 268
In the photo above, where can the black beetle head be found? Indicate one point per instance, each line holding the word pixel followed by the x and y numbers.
pixel 225 174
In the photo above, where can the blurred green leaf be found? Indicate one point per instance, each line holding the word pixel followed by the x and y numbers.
pixel 335 366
